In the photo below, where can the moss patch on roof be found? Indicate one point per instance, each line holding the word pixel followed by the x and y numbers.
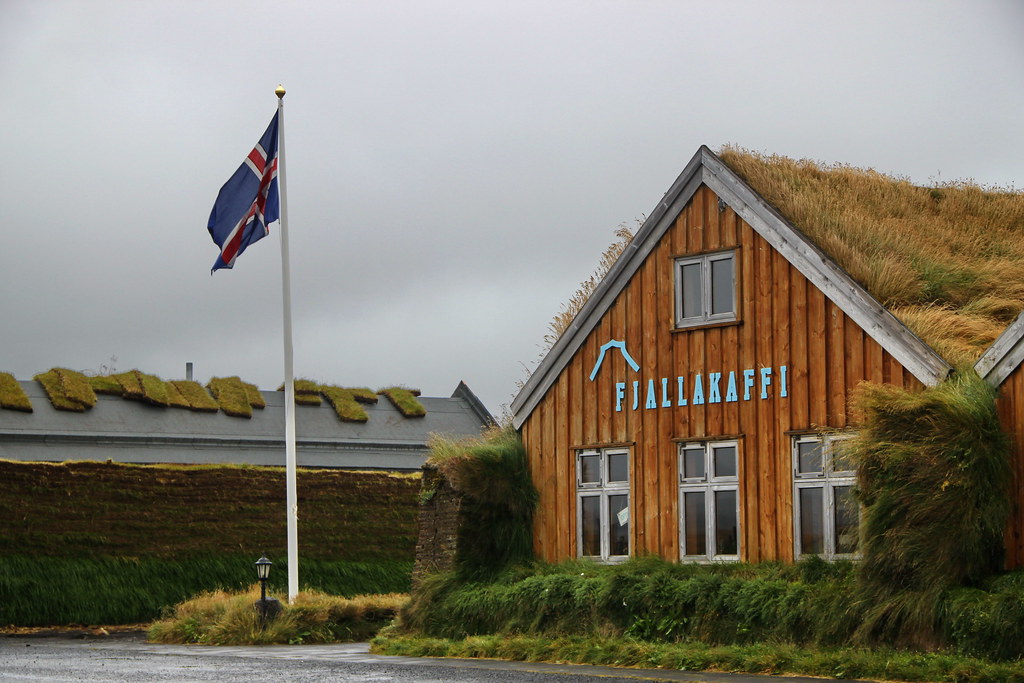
pixel 345 403
pixel 948 261
pixel 105 384
pixel 12 396
pixel 195 396
pixel 405 400
pixel 67 389
pixel 233 396
pixel 139 386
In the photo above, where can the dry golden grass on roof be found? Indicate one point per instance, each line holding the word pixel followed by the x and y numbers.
pixel 948 260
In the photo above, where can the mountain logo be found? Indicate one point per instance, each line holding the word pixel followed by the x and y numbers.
pixel 613 344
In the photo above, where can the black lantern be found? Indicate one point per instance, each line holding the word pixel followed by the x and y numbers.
pixel 262 572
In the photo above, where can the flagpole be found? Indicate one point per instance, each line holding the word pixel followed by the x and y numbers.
pixel 289 379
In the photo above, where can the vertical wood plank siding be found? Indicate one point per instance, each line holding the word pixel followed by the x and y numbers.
pixel 1010 405
pixel 784 320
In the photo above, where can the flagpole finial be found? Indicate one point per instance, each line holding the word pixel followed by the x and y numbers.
pixel 279 91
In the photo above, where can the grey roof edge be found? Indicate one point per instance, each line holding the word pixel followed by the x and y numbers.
pixel 476 405
pixel 1005 354
pixel 706 168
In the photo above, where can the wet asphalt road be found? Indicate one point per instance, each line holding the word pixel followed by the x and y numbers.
pixel 130 660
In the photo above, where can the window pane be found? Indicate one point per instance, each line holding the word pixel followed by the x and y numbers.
pixel 694 523
pixel 693 463
pixel 590 469
pixel 590 526
pixel 808 456
pixel 846 519
pixel 691 293
pixel 812 527
pixel 618 467
pixel 724 461
pixel 727 527
pixel 722 286
pixel 618 532
pixel 841 462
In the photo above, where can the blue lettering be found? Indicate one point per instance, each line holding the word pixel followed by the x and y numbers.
pixel 748 383
pixel 681 396
pixel 652 400
pixel 698 391
pixel 620 393
pixel 766 379
pixel 666 402
pixel 730 392
pixel 636 393
pixel 782 382
pixel 714 392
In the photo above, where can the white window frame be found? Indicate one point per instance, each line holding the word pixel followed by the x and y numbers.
pixel 705 261
pixel 708 484
pixel 602 489
pixel 828 479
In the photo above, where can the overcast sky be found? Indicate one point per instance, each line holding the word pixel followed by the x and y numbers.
pixel 454 170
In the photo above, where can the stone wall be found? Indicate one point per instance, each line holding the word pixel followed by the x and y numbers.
pixel 439 520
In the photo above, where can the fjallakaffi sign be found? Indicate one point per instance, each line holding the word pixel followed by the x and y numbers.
pixel 695 388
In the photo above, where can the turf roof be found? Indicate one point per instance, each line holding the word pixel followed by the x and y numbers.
pixel 948 261
pixel 73 391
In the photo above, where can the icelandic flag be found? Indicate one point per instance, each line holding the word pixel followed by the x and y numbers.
pixel 248 202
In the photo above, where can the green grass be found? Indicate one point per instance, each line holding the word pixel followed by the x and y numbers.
pixel 232 395
pixel 67 390
pixel 345 404
pixel 405 400
pixel 45 591
pixel 12 396
pixel 224 618
pixel 760 658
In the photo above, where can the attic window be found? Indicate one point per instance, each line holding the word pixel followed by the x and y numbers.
pixel 705 289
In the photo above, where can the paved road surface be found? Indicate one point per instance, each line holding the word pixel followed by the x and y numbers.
pixel 131 660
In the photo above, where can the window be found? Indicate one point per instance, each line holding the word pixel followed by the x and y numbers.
pixel 602 491
pixel 705 289
pixel 709 526
pixel 825 513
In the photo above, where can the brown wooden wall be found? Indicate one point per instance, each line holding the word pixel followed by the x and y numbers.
pixel 1010 405
pixel 784 320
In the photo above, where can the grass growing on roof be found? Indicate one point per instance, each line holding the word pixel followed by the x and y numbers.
pixel 405 400
pixel 139 386
pixel 105 384
pixel 344 403
pixel 231 395
pixel 12 396
pixel 68 390
pixel 195 396
pixel 947 260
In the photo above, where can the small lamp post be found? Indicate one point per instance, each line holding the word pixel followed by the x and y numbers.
pixel 267 609
pixel 262 572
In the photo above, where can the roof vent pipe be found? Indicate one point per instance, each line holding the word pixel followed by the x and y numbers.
pixel 188 371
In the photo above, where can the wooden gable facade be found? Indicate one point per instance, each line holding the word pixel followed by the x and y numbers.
pixel 684 434
pixel 1001 367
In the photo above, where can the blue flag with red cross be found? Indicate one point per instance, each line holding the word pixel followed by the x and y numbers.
pixel 248 201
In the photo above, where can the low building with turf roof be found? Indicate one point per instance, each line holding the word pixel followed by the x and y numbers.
pixel 136 418
pixel 695 407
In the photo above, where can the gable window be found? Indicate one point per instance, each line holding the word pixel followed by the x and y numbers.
pixel 705 288
pixel 709 501
pixel 825 513
pixel 602 504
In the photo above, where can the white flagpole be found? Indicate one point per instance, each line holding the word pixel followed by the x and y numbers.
pixel 289 379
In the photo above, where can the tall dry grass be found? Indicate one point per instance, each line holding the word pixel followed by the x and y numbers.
pixel 225 618
pixel 948 260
